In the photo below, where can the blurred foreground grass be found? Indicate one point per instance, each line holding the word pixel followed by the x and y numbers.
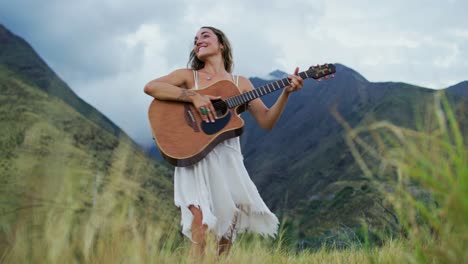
pixel 429 184
pixel 112 220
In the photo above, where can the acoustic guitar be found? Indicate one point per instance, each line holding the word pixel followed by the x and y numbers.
pixel 183 138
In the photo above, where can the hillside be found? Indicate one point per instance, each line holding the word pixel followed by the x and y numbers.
pixel 67 173
pixel 304 168
pixel 20 58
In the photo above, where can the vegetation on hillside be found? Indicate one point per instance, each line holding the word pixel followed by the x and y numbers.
pixel 429 184
pixel 67 185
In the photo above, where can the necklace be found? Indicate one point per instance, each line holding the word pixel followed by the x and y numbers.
pixel 208 76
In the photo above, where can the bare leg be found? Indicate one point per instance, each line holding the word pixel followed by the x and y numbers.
pixel 225 243
pixel 198 232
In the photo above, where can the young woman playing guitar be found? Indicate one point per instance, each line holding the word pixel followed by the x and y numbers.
pixel 216 193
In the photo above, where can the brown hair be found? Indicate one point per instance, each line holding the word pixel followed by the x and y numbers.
pixel 196 64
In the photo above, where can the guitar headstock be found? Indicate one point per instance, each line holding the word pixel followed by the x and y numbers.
pixel 318 72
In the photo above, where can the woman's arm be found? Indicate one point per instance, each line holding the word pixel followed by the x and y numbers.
pixel 267 117
pixel 171 87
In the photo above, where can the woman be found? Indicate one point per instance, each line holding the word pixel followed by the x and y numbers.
pixel 217 193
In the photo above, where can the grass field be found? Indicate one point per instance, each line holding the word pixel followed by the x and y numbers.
pixel 68 217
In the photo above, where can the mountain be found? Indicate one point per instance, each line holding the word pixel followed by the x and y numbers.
pixel 304 169
pixel 66 171
pixel 20 58
pixel 460 89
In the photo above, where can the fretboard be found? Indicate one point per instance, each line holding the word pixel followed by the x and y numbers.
pixel 244 98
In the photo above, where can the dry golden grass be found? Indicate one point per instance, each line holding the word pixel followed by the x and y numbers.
pixel 68 216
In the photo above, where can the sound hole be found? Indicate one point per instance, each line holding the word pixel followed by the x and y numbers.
pixel 220 107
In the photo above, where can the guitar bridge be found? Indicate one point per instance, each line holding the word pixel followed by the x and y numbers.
pixel 190 118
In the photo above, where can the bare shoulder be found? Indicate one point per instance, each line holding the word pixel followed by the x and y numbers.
pixel 180 77
pixel 244 84
pixel 183 73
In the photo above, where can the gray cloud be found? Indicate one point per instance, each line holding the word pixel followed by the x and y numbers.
pixel 108 50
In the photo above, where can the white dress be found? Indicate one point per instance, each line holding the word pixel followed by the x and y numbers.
pixel 221 187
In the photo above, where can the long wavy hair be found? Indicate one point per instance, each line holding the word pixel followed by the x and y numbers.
pixel 196 64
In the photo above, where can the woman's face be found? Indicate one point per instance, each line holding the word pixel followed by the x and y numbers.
pixel 206 43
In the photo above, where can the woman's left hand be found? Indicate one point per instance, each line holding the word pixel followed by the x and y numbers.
pixel 296 82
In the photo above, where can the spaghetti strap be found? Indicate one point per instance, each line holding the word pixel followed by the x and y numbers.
pixel 195 78
pixel 235 79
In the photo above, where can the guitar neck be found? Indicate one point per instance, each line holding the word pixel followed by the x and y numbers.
pixel 313 72
pixel 244 98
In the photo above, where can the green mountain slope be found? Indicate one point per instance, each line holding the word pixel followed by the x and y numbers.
pixel 304 169
pixel 65 178
pixel 20 58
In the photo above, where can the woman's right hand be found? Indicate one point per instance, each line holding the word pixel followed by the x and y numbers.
pixel 204 107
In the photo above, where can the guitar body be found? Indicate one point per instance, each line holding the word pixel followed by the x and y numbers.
pixel 183 138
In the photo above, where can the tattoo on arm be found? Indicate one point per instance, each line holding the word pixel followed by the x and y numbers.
pixel 185 94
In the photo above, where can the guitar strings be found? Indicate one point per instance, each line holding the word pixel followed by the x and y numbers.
pixel 304 75
pixel 220 103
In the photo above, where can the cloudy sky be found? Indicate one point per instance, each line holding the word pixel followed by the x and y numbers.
pixel 108 50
